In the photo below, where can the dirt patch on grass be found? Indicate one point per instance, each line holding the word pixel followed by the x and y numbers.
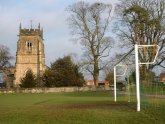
pixel 95 105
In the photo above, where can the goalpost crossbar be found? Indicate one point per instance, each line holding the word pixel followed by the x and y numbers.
pixel 145 63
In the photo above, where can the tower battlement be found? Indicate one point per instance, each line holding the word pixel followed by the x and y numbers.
pixel 31 31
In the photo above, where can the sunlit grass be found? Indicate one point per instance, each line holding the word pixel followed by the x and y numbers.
pixel 73 108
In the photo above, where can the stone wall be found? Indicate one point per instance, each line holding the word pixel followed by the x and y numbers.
pixel 53 90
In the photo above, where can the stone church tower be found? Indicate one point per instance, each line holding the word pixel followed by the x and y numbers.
pixel 30 53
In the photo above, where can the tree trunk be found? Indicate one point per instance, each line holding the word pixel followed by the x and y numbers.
pixel 96 73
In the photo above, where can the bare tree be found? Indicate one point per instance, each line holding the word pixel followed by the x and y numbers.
pixel 5 57
pixel 142 22
pixel 90 23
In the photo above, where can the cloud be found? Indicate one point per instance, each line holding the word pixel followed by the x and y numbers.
pixel 52 16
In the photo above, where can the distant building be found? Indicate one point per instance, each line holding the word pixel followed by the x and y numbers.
pixel 89 82
pixel 1 78
pixel 104 83
pixel 7 77
pixel 30 53
pixel 100 83
pixel 162 77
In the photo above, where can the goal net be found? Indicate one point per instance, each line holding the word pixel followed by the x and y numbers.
pixel 123 84
pixel 137 78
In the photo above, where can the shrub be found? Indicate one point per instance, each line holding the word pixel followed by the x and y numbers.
pixel 29 80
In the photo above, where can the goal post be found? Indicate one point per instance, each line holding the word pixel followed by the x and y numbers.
pixel 137 63
pixel 143 51
pixel 137 77
pixel 121 74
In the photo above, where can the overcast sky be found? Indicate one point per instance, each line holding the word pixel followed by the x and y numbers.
pixel 50 14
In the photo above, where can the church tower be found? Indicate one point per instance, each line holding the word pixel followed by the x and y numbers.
pixel 30 53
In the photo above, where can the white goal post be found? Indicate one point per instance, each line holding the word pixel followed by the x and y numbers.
pixel 137 63
pixel 122 74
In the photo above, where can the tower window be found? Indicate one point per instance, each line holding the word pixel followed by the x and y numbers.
pixel 29 46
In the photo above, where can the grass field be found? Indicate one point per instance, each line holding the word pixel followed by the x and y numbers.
pixel 74 108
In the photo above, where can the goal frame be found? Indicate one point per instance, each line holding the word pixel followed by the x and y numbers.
pixel 137 63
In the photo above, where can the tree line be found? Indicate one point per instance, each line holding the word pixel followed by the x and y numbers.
pixel 139 22
pixel 62 73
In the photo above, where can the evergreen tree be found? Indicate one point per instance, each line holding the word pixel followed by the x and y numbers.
pixel 63 72
pixel 29 80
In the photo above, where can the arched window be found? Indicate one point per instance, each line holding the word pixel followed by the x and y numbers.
pixel 27 70
pixel 29 46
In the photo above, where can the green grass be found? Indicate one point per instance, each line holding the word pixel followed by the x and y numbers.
pixel 74 108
